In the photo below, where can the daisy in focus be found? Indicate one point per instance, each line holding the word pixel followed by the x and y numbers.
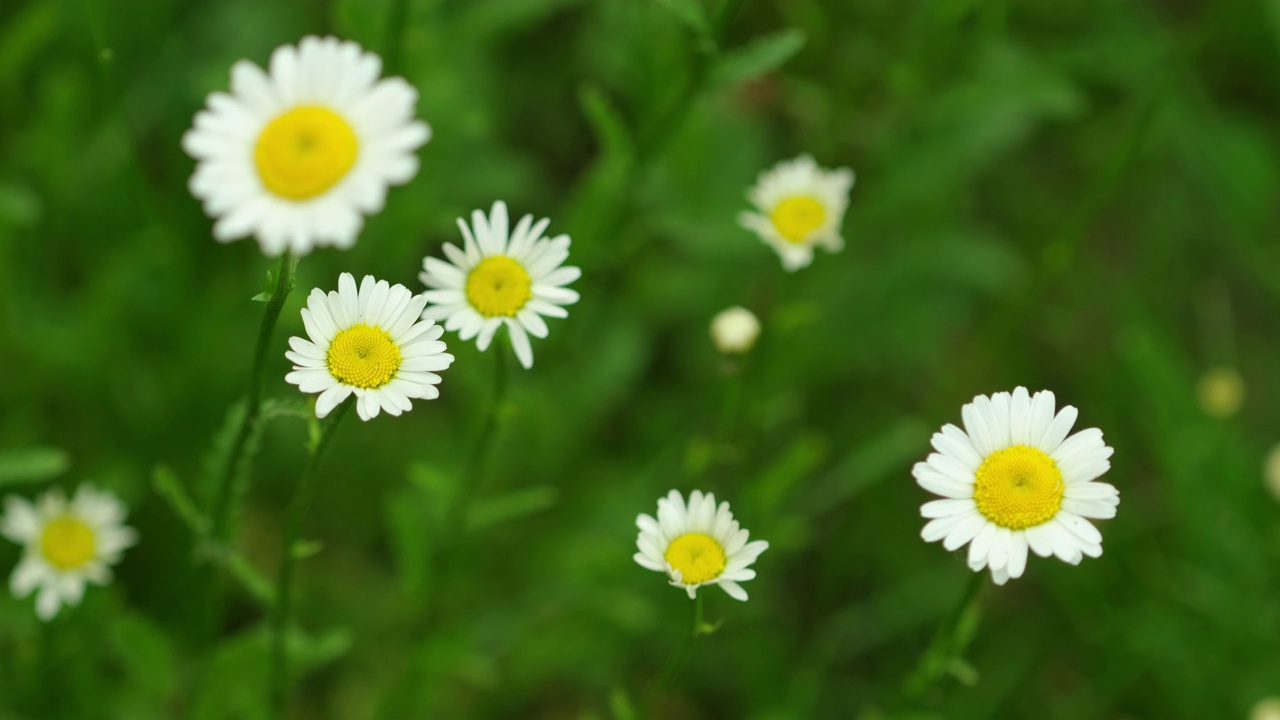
pixel 697 544
pixel 66 544
pixel 297 156
pixel 500 278
pixel 1013 480
pixel 799 206
pixel 370 342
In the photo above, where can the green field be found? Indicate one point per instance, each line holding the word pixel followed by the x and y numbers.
pixel 1081 197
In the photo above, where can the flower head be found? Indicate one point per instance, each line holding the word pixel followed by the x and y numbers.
pixel 370 342
pixel 299 155
pixel 500 279
pixel 799 205
pixel 697 544
pixel 734 330
pixel 66 544
pixel 1013 480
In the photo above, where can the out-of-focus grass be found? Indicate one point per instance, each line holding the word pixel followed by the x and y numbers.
pixel 1076 196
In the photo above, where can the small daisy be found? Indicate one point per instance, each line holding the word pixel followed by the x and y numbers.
pixel 734 331
pixel 298 156
pixel 66 544
pixel 698 544
pixel 500 279
pixel 369 342
pixel 1013 480
pixel 800 205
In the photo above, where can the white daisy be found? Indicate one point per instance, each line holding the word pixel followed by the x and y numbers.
pixel 698 544
pixel 734 331
pixel 498 280
pixel 297 157
pixel 369 342
pixel 66 544
pixel 1013 480
pixel 800 205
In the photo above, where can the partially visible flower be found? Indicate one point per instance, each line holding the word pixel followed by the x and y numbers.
pixel 499 279
pixel 697 544
pixel 299 156
pixel 1221 392
pixel 799 205
pixel 1267 708
pixel 370 342
pixel 1271 472
pixel 66 544
pixel 1013 480
pixel 735 330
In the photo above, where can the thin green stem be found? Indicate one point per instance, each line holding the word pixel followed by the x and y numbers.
pixel 302 497
pixel 473 474
pixel 676 661
pixel 949 641
pixel 397 26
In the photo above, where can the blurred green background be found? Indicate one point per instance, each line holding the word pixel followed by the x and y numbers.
pixel 1075 196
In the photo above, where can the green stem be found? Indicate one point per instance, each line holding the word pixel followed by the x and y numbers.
pixel 949 641
pixel 397 26
pixel 302 496
pixel 676 661
pixel 476 463
pixel 223 502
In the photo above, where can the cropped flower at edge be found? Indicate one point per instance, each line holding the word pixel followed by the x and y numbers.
pixel 799 206
pixel 298 156
pixel 499 278
pixel 1012 481
pixel 66 544
pixel 370 342
pixel 697 544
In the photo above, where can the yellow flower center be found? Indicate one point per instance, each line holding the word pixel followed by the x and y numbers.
pixel 67 543
pixel 363 356
pixel 1018 487
pixel 697 556
pixel 796 217
pixel 304 152
pixel 498 287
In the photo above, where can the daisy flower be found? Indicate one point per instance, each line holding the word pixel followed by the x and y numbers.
pixel 799 205
pixel 1013 480
pixel 697 544
pixel 298 155
pixel 499 279
pixel 66 544
pixel 734 331
pixel 370 342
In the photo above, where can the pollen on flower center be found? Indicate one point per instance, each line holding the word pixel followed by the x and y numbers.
pixel 498 287
pixel 796 217
pixel 363 356
pixel 1018 487
pixel 304 152
pixel 697 556
pixel 67 543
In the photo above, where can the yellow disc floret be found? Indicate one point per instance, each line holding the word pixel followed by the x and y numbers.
pixel 796 217
pixel 498 287
pixel 363 356
pixel 697 556
pixel 1018 487
pixel 67 543
pixel 304 152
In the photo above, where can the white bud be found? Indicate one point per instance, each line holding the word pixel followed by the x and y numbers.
pixel 1271 478
pixel 735 330
pixel 1266 709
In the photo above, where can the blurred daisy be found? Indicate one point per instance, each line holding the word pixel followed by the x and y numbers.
pixel 299 155
pixel 1013 480
pixel 800 205
pixel 735 330
pixel 370 342
pixel 66 544
pixel 697 544
pixel 499 279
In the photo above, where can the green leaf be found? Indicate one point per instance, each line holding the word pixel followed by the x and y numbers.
pixel 691 13
pixel 511 506
pixel 762 55
pixel 607 124
pixel 30 465
pixel 304 549
pixel 169 487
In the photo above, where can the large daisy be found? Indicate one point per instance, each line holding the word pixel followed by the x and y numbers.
pixel 697 544
pixel 1013 480
pixel 799 206
pixel 500 278
pixel 370 342
pixel 67 544
pixel 299 155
